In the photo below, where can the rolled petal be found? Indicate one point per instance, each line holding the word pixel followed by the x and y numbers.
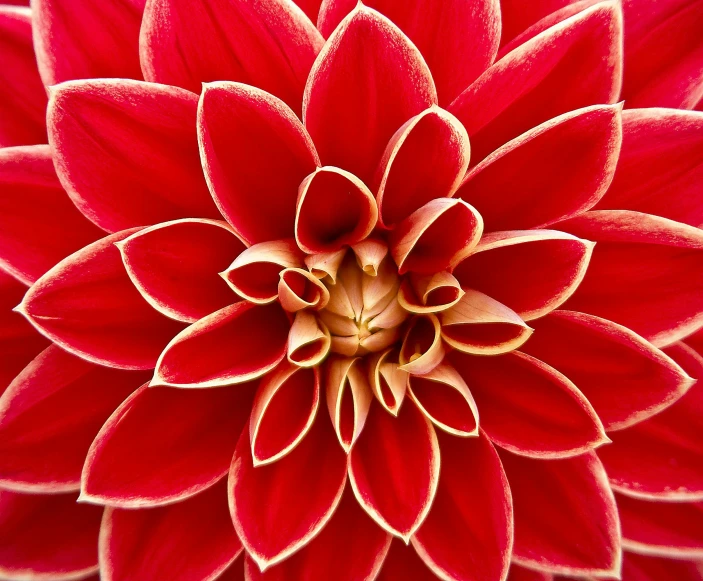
pixel 425 159
pixel 367 81
pixel 394 469
pixel 163 445
pixel 309 340
pixel 388 382
pixel 468 534
pixel 87 305
pixel 349 398
pixel 47 536
pixel 326 264
pixel 279 508
pixel 269 44
pixel 566 520
pixel 284 409
pixel 233 345
pixel 50 414
pixel 645 568
pixel 299 289
pixel 436 236
pixel 255 153
pixel 403 562
pixel 531 272
pixel 528 407
pixel 624 377
pixel 554 171
pixel 143 544
pixel 422 349
pixel 517 573
pixel 579 59
pixel 644 273
pixel 429 294
pixel 334 209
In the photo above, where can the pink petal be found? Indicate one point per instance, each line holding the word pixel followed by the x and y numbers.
pixel 279 508
pixel 192 539
pixel 87 305
pixel 268 44
pixel 566 520
pixel 299 289
pixel 517 15
pixel 529 408
pixel 531 272
pixel 394 468
pixel 517 573
pixel 402 562
pixel 623 376
pixel 176 266
pixel 554 171
pixel 422 348
pixel 309 340
pixel 47 536
pixel 163 445
pixel 367 81
pixel 579 60
pixel 49 416
pixel 434 293
pixel 233 345
pixel 644 273
pixel 645 568
pixel 255 153
pixel 126 152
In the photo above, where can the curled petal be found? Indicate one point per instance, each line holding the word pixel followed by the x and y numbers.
pixel 369 255
pixel 388 382
pixel 430 293
pixel 299 289
pixel 326 264
pixel 422 348
pixel 309 340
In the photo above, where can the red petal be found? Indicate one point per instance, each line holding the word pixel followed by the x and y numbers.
pixel 310 7
pixel 468 534
pixel 47 536
pixel 402 562
pixel 394 468
pixel 644 273
pixel 517 573
pixel 368 80
pixel 126 152
pixel 87 305
pixel 579 60
pixel 279 508
pixel 566 520
pixel 309 340
pixel 623 376
pixel 49 416
pixel 518 15
pixel 268 44
pixel 255 153
pixel 235 572
pixel 192 539
pixel 422 348
pixel 644 568
pixel 529 408
pixel 163 445
pixel 554 171
pixel 233 345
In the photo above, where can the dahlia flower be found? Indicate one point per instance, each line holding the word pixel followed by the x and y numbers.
pixel 332 290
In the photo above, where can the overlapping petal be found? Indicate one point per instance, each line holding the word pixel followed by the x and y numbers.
pixel 645 568
pixel 403 562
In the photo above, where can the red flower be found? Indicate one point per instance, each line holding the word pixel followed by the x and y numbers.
pixel 299 290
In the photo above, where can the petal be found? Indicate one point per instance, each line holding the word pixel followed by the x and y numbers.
pixel 402 562
pixel 366 82
pixel 468 534
pixel 163 445
pixel 554 171
pixel 394 468
pixel 624 377
pixel 233 345
pixel 279 508
pixel 310 7
pixel 126 152
pixel 529 408
pixel 192 539
pixel 326 264
pixel 299 289
pixel 645 568
pixel 517 573
pixel 38 223
pixel 566 520
pixel 176 266
pixel 429 294
pixel 531 272
pixel 87 305
pixel 309 340
pixel 517 15
pixel 349 398
pixel 644 273
pixel 49 416
pixel 47 536
pixel 387 381
pixel 422 349
pixel 578 59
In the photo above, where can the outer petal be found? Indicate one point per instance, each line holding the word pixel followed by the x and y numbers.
pixel 518 573
pixel 310 7
pixel 368 80
pixel 126 152
pixel 192 539
pixel 268 44
pixel 566 520
pixel 468 534
pixel 88 306
pixel 163 445
pixel 279 508
pixel 49 416
pixel 517 16
pixel 579 59
pixel 529 408
pixel 402 562
pixel 644 273
pixel 552 172
pixel 47 537
pixel 255 153
pixel 644 568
